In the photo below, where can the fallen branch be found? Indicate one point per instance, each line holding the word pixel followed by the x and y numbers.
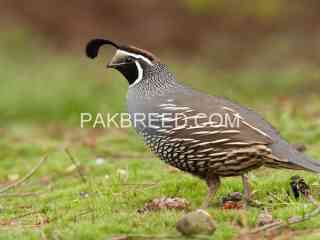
pixel 278 199
pixel 74 162
pixel 25 178
pixel 293 220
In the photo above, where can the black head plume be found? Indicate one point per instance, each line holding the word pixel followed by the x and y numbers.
pixel 94 45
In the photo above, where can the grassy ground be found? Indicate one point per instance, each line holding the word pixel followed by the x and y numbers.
pixel 41 98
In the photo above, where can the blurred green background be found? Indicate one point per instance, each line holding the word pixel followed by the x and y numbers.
pixel 262 54
pixel 250 51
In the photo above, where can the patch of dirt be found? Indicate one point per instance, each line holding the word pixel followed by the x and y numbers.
pixel 165 203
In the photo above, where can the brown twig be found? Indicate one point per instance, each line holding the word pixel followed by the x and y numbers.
pixel 24 215
pixel 74 162
pixel 25 178
pixel 292 220
pixel 22 194
pixel 277 198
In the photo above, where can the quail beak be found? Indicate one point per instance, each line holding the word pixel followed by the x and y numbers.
pixel 116 61
pixel 114 65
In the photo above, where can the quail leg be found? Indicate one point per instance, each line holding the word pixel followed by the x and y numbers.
pixel 213 185
pixel 246 189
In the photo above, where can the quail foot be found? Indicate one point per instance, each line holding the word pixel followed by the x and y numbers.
pixel 208 136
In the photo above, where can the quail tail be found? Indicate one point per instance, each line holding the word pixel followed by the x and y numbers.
pixel 285 151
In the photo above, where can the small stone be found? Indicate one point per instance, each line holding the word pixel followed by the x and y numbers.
pixel 196 222
pixel 264 218
pixel 232 197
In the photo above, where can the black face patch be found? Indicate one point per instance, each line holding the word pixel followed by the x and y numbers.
pixel 129 71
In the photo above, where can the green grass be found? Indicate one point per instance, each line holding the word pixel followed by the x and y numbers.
pixel 41 97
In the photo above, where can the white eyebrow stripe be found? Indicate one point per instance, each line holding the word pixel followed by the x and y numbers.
pixel 176 108
pixel 140 74
pixel 147 60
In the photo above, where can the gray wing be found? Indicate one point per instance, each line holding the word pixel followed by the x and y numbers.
pixel 207 120
pixel 253 129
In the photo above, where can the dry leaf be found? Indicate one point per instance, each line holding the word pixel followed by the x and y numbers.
pixel 165 203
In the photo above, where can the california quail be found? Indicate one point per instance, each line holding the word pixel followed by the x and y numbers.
pixel 196 132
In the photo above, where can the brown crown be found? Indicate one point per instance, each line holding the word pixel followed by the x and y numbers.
pixel 140 51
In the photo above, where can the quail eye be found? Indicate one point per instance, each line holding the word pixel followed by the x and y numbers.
pixel 129 59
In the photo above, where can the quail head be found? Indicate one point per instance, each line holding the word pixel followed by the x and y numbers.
pixel 207 136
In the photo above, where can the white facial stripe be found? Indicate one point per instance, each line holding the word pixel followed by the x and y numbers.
pixel 140 74
pixel 138 56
